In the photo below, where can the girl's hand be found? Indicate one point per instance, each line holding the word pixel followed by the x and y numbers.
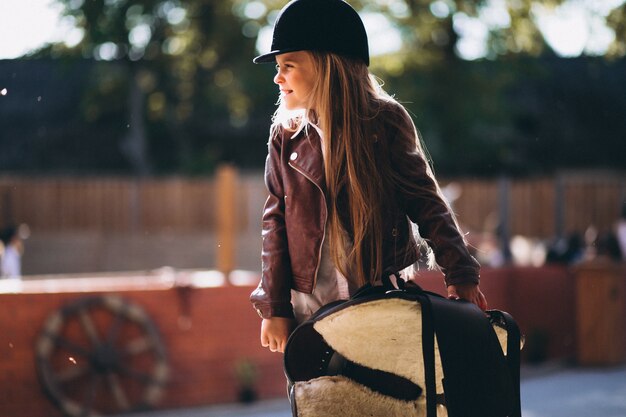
pixel 469 292
pixel 275 332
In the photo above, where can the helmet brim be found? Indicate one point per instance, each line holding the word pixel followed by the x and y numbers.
pixel 270 57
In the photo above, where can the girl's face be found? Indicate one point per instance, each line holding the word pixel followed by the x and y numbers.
pixel 295 77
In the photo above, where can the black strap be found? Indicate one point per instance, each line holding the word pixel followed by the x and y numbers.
pixel 512 357
pixel 428 351
pixel 291 390
pixel 428 337
pixel 385 383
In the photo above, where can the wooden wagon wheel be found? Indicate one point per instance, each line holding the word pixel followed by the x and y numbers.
pixel 100 355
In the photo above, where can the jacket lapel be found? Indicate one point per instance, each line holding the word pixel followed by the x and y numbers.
pixel 306 157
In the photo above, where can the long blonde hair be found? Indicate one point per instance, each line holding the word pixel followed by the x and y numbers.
pixel 346 100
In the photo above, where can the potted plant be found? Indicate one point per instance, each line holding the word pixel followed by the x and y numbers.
pixel 246 372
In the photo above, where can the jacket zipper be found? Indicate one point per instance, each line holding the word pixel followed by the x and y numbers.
pixel 394 233
pixel 319 255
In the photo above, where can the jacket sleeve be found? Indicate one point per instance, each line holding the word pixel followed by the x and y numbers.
pixel 426 208
pixel 272 297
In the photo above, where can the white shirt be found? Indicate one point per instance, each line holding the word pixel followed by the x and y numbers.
pixel 10 267
pixel 330 284
pixel 620 231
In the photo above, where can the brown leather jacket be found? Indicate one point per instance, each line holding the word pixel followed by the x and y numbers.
pixel 294 217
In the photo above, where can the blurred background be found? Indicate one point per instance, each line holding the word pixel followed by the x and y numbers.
pixel 132 142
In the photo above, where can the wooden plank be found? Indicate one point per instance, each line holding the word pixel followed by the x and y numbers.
pixel 601 308
pixel 226 191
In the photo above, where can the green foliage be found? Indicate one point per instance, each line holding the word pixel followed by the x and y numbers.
pixel 616 20
pixel 181 94
pixel 185 56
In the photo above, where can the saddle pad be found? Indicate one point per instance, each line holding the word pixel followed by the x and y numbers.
pixel 381 336
pixel 338 396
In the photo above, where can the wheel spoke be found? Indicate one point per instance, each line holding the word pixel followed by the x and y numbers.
pixel 89 326
pixel 91 394
pixel 72 372
pixel 114 330
pixel 142 377
pixel 71 346
pixel 118 392
pixel 137 346
pixel 86 347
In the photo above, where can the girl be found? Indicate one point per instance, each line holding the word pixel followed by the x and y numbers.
pixel 346 175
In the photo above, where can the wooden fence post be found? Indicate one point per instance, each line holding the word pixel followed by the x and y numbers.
pixel 559 206
pixel 226 187
pixel 600 312
pixel 504 211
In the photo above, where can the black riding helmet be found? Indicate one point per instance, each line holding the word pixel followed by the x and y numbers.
pixel 318 25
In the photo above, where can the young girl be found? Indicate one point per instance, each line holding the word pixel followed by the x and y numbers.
pixel 346 175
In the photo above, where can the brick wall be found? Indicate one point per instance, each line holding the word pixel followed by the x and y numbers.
pixel 207 331
pixel 204 339
pixel 540 299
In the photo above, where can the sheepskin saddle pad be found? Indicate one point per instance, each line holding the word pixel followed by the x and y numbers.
pixel 365 358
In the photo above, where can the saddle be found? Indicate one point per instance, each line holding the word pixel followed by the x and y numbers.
pixel 404 352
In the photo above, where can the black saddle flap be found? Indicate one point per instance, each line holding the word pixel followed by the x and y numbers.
pixel 476 375
pixel 477 380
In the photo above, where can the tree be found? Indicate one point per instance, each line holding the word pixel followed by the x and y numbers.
pixel 616 20
pixel 178 61
pixel 178 91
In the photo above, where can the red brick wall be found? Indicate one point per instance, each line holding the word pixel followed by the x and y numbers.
pixel 224 329
pixel 540 299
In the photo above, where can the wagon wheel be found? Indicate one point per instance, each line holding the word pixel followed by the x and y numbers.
pixel 101 354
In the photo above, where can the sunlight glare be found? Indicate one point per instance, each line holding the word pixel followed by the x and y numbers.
pixel 28 24
pixel 574 27
pixel 383 37
pixel 473 33
pixel 564 28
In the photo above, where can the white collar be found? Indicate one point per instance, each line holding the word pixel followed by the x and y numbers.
pixel 304 126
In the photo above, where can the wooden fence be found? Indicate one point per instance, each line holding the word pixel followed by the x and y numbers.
pixel 109 204
pixel 540 208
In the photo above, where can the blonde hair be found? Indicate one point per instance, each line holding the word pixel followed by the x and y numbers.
pixel 344 102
